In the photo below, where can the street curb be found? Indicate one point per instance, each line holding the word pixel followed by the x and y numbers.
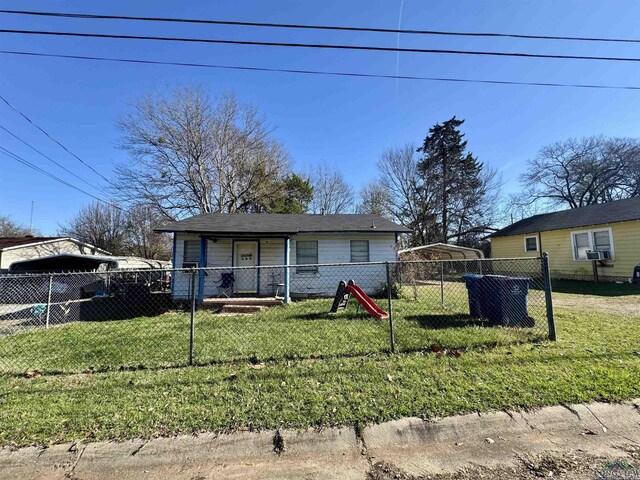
pixel 416 446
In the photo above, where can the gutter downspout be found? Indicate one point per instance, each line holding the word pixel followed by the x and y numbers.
pixel 540 243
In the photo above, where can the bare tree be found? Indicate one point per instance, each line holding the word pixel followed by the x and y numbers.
pixel 410 202
pixel 476 213
pixel 102 225
pixel 192 155
pixel 580 172
pixel 374 199
pixel 331 192
pixel 141 239
pixel 9 228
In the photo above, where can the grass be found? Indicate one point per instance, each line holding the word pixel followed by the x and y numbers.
pixel 604 289
pixel 596 358
pixel 300 330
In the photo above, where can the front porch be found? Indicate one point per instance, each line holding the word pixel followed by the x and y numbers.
pixel 238 267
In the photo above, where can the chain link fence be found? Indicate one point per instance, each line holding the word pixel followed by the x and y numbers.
pixel 159 318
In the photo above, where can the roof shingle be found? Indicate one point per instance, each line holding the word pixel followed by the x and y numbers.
pixel 274 223
pixel 610 212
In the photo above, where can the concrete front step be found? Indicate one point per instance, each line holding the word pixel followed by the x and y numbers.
pixel 262 301
pixel 242 308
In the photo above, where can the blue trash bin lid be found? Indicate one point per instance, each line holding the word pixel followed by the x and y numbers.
pixel 470 278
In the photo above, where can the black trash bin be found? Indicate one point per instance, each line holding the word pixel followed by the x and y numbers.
pixel 636 274
pixel 506 300
pixel 476 294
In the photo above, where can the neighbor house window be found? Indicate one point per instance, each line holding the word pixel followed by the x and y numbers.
pixel 591 240
pixel 191 254
pixel 307 254
pixel 602 240
pixel 359 251
pixel 531 244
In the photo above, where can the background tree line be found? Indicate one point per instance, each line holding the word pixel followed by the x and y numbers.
pixel 190 153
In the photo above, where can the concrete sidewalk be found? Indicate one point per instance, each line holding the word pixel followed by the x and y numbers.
pixel 415 447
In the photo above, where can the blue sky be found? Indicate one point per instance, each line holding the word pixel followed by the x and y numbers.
pixel 346 122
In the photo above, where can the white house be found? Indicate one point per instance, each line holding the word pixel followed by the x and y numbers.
pixel 269 240
pixel 19 249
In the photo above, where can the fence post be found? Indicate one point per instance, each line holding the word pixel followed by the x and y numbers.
pixel 193 315
pixel 46 323
pixel 546 274
pixel 442 283
pixel 390 310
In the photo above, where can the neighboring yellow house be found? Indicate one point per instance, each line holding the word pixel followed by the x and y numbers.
pixel 574 238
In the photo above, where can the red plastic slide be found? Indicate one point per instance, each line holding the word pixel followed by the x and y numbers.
pixel 368 304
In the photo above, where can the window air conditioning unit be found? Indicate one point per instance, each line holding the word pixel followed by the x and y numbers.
pixel 599 255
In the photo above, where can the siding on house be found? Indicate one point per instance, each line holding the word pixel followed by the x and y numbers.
pixel 332 248
pixel 558 243
pixel 336 248
pixel 55 247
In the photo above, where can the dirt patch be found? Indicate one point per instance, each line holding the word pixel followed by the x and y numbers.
pixel 626 305
pixel 576 466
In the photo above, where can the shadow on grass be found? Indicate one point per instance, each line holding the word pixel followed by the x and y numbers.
pixel 602 289
pixel 332 316
pixel 436 322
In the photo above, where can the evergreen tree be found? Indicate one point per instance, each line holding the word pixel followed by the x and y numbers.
pixel 295 195
pixel 455 178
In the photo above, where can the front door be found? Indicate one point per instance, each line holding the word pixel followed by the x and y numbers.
pixel 246 255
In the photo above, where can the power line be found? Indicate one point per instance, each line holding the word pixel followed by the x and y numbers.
pixel 318 45
pixel 27 163
pixel 54 140
pixel 320 72
pixel 319 27
pixel 49 158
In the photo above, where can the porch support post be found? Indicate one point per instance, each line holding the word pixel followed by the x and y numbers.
pixel 201 264
pixel 287 250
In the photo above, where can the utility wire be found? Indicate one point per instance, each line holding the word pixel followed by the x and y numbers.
pixel 319 72
pixel 319 27
pixel 50 159
pixel 27 163
pixel 318 45
pixel 54 140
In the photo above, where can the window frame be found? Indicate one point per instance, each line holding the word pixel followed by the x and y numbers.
pixel 591 236
pixel 190 263
pixel 308 270
pixel 535 237
pixel 351 251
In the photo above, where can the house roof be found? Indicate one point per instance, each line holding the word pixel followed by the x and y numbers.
pixel 274 223
pixel 610 212
pixel 7 243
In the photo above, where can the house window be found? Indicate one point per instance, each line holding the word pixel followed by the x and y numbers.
pixel 531 244
pixel 602 240
pixel 591 240
pixel 191 254
pixel 306 254
pixel 359 251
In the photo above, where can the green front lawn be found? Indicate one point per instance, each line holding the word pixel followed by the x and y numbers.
pixel 296 331
pixel 603 289
pixel 597 357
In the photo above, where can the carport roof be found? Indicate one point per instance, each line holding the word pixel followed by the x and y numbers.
pixel 452 251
